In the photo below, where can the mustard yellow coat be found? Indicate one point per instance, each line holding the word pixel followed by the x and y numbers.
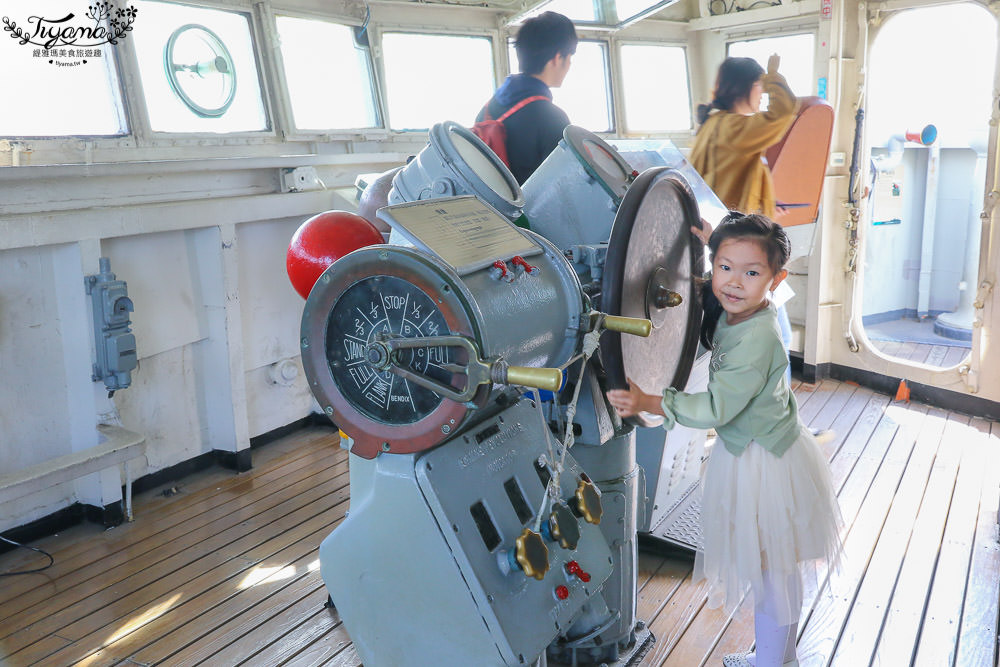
pixel 728 149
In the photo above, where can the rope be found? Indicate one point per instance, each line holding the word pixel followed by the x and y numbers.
pixel 591 341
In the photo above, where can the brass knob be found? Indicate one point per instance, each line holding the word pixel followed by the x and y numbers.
pixel 532 554
pixel 564 527
pixel 587 501
pixel 667 298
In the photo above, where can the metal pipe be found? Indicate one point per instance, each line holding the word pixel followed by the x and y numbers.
pixel 927 235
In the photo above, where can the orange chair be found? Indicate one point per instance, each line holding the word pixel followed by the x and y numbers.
pixel 798 162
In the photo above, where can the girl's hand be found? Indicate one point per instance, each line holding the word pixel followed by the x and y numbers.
pixel 631 401
pixel 704 232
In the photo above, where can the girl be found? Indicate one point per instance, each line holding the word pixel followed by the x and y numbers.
pixel 768 500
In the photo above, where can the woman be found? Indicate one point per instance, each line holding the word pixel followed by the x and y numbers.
pixel 729 148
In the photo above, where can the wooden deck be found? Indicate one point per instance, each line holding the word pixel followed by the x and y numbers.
pixel 942 356
pixel 224 572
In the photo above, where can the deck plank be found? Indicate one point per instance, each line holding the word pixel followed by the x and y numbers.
pixel 867 613
pixel 200 645
pixel 955 356
pixel 977 639
pixel 176 612
pixel 901 631
pixel 920 352
pixel 143 538
pixel 286 621
pixel 818 396
pixel 319 625
pixel 939 632
pixel 171 508
pixel 921 514
pixel 672 576
pixel 703 634
pixel 96 597
pixel 675 616
pixel 937 355
pixel 864 502
pixel 737 637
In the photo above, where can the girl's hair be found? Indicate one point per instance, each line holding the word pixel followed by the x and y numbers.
pixel 753 227
pixel 733 83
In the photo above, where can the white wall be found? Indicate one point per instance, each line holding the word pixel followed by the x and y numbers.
pixel 893 252
pixel 214 308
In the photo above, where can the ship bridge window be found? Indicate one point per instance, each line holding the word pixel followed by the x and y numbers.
pixel 655 87
pixel 54 88
pixel 433 78
pixel 328 75
pixel 574 10
pixel 198 69
pixel 585 93
pixel 797 54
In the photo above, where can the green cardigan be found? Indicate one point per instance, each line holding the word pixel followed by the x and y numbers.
pixel 748 397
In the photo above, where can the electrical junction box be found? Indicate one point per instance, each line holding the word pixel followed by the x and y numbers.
pixel 299 179
pixel 113 338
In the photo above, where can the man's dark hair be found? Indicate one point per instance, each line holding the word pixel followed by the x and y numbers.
pixel 541 38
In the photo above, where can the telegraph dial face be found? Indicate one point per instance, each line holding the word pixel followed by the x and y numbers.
pixel 380 306
pixel 392 291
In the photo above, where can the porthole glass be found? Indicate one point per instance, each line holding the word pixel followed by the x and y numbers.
pixel 200 70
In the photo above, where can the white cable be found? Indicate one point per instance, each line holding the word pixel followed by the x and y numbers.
pixel 591 341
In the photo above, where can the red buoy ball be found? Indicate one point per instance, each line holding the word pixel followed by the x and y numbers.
pixel 322 240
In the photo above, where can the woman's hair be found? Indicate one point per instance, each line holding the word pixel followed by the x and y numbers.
pixel 733 83
pixel 753 227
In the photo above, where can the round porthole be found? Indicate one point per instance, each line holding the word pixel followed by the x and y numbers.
pixel 200 70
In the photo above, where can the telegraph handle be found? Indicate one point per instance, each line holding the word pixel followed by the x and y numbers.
pixel 636 326
pixel 527 376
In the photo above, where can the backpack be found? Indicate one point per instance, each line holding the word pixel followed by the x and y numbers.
pixel 494 133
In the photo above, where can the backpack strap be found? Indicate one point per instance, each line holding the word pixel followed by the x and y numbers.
pixel 520 105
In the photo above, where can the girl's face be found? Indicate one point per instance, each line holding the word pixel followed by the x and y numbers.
pixel 741 278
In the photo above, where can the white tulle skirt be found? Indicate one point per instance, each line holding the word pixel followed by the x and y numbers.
pixel 764 512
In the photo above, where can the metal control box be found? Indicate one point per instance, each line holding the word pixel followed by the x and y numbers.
pixel 423 549
pixel 113 339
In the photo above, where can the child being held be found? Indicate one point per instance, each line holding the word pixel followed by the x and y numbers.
pixel 768 501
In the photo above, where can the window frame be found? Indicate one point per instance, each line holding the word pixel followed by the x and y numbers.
pixel 118 86
pixel 255 26
pixel 623 130
pixel 745 35
pixel 282 96
pixel 389 132
pixel 611 73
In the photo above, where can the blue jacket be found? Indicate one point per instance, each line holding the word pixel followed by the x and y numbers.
pixel 534 130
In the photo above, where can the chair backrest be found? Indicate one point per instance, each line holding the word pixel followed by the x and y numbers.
pixel 798 161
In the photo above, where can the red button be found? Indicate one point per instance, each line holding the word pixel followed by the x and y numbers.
pixel 574 568
pixel 562 592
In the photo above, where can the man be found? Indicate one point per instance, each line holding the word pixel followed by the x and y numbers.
pixel 545 46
